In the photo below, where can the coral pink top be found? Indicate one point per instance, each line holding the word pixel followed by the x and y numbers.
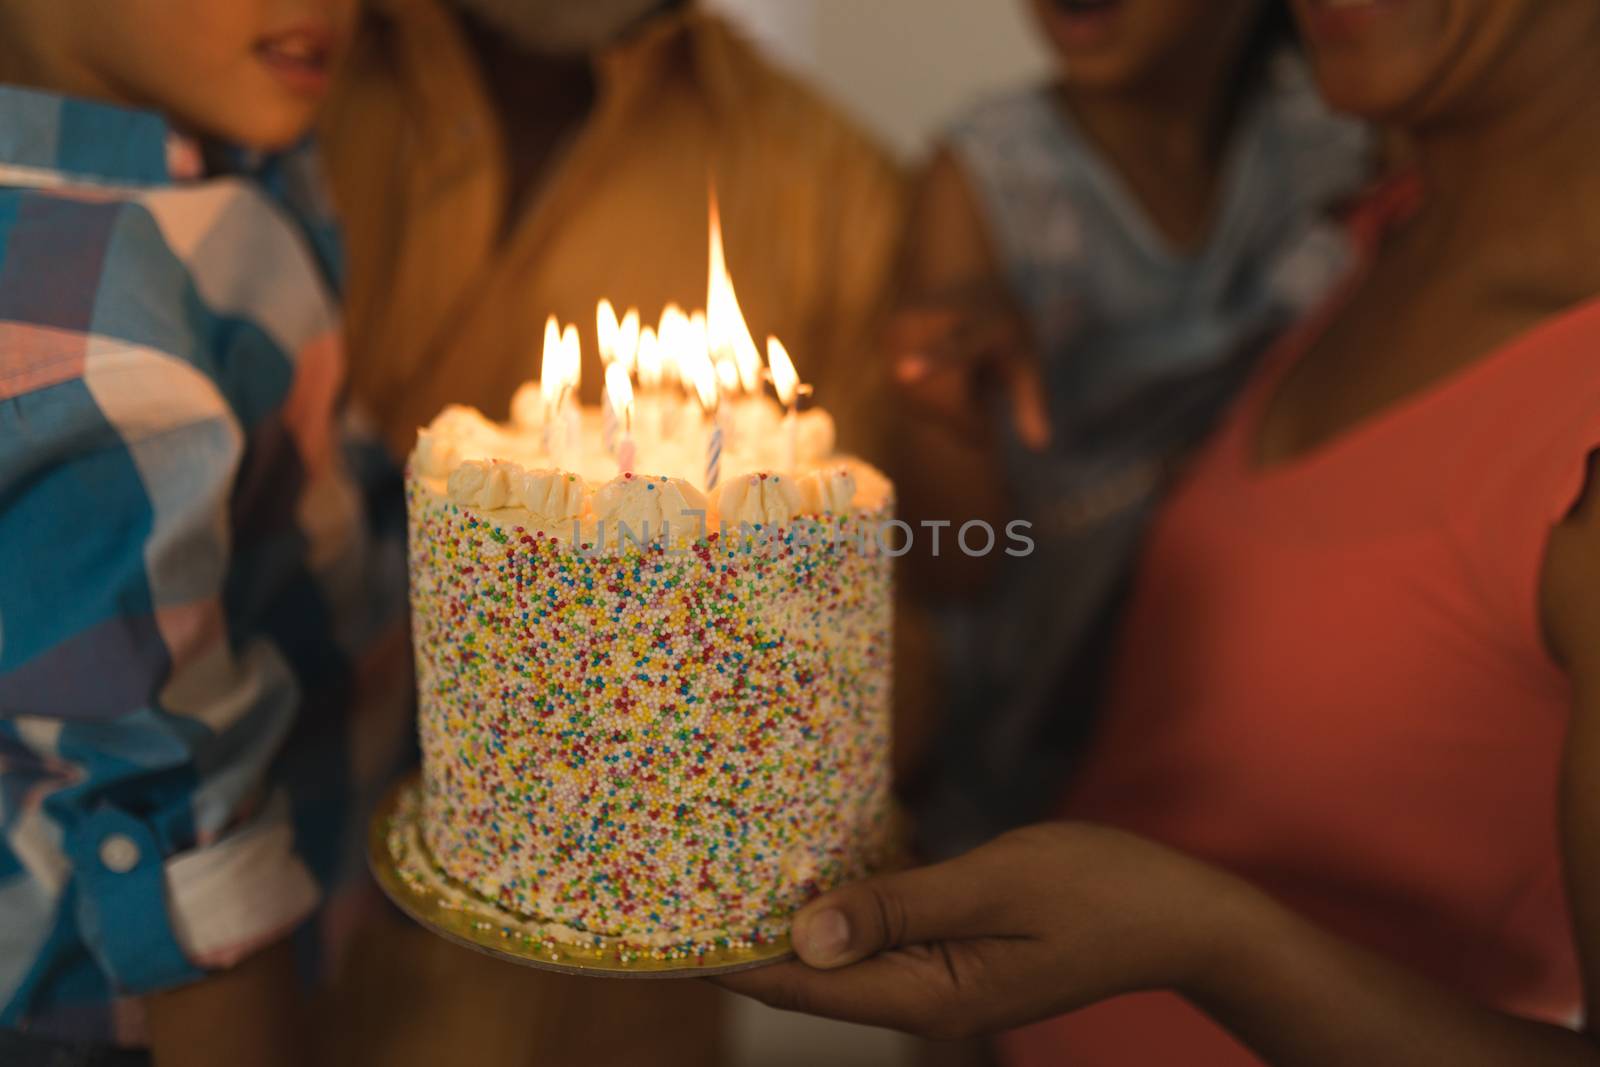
pixel 1332 682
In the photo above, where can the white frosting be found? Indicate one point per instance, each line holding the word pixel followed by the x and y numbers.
pixel 436 455
pixel 873 488
pixel 527 407
pixel 650 504
pixel 755 422
pixel 553 498
pixel 814 435
pixel 479 484
pixel 463 424
pixel 764 498
pixel 508 468
pixel 828 490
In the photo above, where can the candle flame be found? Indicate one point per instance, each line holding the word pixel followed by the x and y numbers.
pixel 651 364
pixel 670 334
pixel 784 378
pixel 628 339
pixel 572 355
pixel 727 333
pixel 606 329
pixel 698 371
pixel 619 393
pixel 552 368
pixel 697 339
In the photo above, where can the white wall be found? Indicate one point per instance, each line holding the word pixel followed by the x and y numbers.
pixel 904 66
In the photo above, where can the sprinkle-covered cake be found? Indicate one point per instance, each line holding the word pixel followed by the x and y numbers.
pixel 653 655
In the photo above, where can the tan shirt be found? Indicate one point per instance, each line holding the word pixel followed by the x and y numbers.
pixel 442 310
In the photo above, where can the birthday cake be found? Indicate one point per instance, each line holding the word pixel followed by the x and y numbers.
pixel 653 648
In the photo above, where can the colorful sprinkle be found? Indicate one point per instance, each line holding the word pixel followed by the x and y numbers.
pixel 674 749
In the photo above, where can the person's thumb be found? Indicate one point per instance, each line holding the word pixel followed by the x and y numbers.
pixel 907 908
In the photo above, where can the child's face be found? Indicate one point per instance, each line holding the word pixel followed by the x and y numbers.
pixel 1121 45
pixel 1410 62
pixel 249 71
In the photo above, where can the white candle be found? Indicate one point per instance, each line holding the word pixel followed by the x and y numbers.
pixel 628 340
pixel 672 336
pixel 606 330
pixel 606 333
pixel 608 414
pixel 567 403
pixel 787 384
pixel 619 403
pixel 552 376
pixel 704 376
pixel 648 400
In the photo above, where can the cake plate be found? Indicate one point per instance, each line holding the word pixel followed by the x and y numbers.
pixel 412 880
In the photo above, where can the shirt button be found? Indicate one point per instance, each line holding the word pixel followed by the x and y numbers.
pixel 119 853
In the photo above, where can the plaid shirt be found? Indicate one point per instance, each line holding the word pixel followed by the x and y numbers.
pixel 187 572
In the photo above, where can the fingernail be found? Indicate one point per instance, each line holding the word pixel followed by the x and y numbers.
pixel 824 939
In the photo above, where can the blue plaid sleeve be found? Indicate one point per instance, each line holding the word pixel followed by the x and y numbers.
pixel 189 592
pixel 139 729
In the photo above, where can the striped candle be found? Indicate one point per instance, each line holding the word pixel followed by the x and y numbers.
pixel 714 456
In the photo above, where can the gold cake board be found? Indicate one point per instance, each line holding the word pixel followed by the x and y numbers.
pixel 410 878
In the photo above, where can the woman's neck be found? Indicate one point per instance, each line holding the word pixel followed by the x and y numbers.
pixel 1517 189
pixel 1168 146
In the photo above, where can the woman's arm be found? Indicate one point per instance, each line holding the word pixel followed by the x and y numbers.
pixel 1057 917
pixel 953 340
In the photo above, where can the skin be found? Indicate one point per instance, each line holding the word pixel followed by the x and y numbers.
pixel 198 63
pixel 542 96
pixel 1499 98
pixel 193 60
pixel 1155 98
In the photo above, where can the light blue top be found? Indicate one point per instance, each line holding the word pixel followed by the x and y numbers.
pixel 1143 344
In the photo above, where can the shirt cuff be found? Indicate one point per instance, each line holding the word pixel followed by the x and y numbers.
pixel 240 893
pixel 155 923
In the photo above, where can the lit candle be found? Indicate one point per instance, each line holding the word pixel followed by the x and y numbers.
pixel 705 384
pixel 608 414
pixel 552 376
pixel 607 331
pixel 650 373
pixel 698 339
pixel 627 348
pixel 650 363
pixel 670 334
pixel 787 384
pixel 697 348
pixel 567 400
pixel 729 337
pixel 574 356
pixel 619 400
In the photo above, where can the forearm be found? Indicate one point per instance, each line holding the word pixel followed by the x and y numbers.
pixel 250 1016
pixel 1300 997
